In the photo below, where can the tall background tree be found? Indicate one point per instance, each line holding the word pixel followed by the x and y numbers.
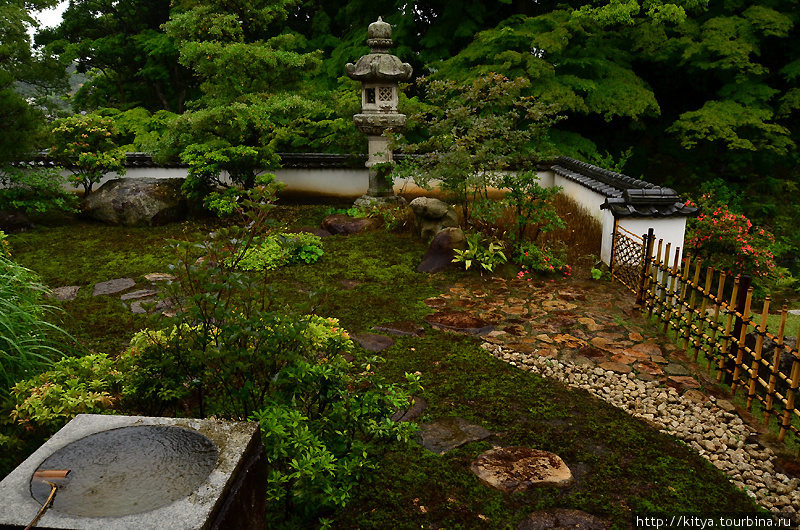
pixel 27 77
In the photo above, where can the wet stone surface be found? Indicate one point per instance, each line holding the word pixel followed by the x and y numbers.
pixel 562 518
pixel 445 434
pixel 515 469
pixel 112 286
pixel 372 341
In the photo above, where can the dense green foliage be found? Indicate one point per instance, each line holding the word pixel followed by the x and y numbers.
pixel 87 146
pixel 36 190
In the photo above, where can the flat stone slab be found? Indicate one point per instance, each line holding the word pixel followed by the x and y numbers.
pixel 445 434
pixel 616 367
pixel 401 328
pixel 160 305
pixel 514 469
pixel 63 294
pixel 415 411
pixel 372 341
pixel 142 293
pixel 112 286
pixel 676 369
pixel 459 322
pixel 159 277
pixel 562 518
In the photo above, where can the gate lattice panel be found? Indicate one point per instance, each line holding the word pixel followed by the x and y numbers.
pixel 626 259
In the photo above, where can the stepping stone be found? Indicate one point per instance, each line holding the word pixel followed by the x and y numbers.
pixel 159 277
pixel 515 469
pixel 401 328
pixel 435 302
pixel 726 405
pixel 143 293
pixel 568 341
pixel 63 294
pixel 622 359
pixel 675 369
pixel 417 408
pixel 445 434
pixel 113 286
pixel 557 305
pixel 160 305
pixel 372 341
pixel 339 224
pixel 695 396
pixel 682 382
pixel 459 322
pixel 647 348
pixel 562 518
pixel 659 359
pixel 616 367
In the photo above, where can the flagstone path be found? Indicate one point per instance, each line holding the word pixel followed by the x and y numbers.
pixel 586 322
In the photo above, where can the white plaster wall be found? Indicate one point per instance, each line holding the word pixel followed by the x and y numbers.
pixel 590 200
pixel 671 231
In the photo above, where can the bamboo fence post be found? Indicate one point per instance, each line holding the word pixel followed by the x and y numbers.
pixel 691 313
pixel 655 280
pixel 647 251
pixel 756 364
pixel 726 340
pixel 662 302
pixel 673 278
pixel 742 335
pixel 788 410
pixel 776 361
pixel 717 309
pixel 682 297
pixel 703 313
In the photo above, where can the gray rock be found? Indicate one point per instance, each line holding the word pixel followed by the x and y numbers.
pixel 416 409
pixel 562 518
pixel 445 434
pixel 112 286
pixel 440 253
pixel 431 216
pixel 69 292
pixel 143 293
pixel 137 202
pixel 159 277
pixel 372 341
pixel 459 322
pixel 515 469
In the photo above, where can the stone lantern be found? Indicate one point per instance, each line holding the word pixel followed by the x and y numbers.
pixel 379 73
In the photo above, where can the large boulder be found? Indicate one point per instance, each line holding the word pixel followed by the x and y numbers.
pixel 137 202
pixel 14 221
pixel 431 216
pixel 441 251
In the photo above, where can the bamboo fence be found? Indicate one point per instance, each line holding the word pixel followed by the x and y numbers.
pixel 711 312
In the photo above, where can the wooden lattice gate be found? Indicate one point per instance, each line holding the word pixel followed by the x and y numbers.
pixel 629 254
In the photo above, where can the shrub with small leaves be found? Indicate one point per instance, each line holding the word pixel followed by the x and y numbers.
pixel 729 241
pixel 86 146
pixel 534 260
pixel 72 386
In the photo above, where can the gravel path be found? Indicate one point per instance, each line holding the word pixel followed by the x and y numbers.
pixel 707 424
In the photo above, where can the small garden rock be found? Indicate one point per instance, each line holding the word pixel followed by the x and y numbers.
pixel 63 294
pixel 514 469
pixel 445 434
pixel 431 216
pixel 372 341
pixel 440 253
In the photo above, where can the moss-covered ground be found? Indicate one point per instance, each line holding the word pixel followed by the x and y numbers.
pixel 622 466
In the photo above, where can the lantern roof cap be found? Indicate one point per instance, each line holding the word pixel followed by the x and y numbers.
pixel 379 64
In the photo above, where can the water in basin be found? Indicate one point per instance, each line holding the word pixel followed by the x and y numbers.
pixel 128 470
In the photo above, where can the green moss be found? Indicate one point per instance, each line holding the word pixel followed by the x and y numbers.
pixel 621 464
